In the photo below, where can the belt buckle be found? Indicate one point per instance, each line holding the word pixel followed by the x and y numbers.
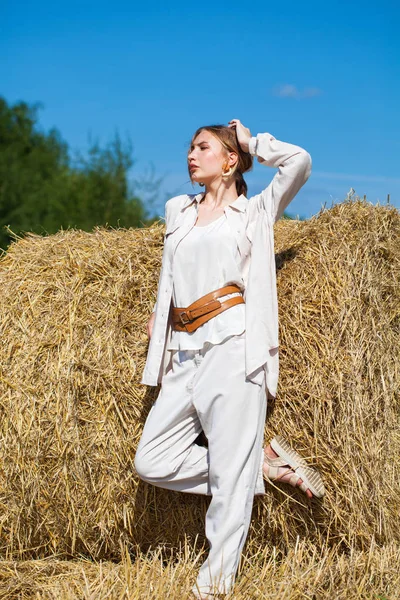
pixel 181 319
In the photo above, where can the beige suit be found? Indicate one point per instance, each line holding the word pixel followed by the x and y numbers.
pixel 221 388
pixel 251 221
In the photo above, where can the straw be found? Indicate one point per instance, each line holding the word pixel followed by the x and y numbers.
pixel 73 314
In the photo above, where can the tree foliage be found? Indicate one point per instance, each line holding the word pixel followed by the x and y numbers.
pixel 42 189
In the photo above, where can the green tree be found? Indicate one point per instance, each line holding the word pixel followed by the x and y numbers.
pixel 42 189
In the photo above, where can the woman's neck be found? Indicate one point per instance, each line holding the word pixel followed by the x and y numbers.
pixel 221 197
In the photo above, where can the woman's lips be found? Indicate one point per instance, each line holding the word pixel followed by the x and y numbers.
pixel 193 168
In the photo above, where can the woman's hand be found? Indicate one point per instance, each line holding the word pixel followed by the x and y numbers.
pixel 242 133
pixel 150 324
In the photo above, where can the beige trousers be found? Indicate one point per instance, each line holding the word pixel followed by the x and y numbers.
pixel 206 390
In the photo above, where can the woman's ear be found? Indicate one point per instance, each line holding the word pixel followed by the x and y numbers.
pixel 234 159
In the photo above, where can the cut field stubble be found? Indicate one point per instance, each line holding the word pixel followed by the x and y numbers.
pixel 264 574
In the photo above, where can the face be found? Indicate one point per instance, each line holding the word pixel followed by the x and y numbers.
pixel 206 158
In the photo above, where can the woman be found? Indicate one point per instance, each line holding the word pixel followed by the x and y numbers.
pixel 214 342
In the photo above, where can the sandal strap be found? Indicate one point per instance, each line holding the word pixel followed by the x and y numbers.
pixel 294 480
pixel 275 462
pixel 273 473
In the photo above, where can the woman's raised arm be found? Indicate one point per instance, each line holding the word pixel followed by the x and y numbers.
pixel 294 168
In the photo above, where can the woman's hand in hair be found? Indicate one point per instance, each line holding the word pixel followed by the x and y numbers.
pixel 243 134
pixel 150 324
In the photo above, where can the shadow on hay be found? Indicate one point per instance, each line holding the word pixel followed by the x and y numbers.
pixel 285 256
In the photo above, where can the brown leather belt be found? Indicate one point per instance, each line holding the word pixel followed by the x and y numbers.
pixel 204 309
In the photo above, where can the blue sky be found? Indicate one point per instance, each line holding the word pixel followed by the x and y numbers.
pixel 322 76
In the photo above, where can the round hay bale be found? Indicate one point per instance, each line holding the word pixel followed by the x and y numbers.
pixel 73 313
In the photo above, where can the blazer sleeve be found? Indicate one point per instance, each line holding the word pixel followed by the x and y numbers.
pixel 166 219
pixel 294 168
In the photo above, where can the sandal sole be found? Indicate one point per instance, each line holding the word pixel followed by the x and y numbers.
pixel 309 475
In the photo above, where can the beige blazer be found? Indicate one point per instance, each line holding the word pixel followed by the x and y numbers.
pixel 252 223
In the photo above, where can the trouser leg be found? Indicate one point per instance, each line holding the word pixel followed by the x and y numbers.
pixel 232 413
pixel 207 390
pixel 167 455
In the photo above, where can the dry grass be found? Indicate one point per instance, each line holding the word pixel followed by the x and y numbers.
pixel 264 574
pixel 73 311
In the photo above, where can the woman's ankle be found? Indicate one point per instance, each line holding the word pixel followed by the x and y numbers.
pixel 270 452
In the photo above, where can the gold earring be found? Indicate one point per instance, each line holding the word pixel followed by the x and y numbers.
pixel 227 173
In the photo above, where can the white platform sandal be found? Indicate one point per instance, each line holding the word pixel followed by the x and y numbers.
pixel 287 457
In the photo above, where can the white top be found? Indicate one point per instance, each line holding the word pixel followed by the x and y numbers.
pixel 252 223
pixel 205 260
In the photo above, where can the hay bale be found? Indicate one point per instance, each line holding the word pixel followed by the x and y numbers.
pixel 73 314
